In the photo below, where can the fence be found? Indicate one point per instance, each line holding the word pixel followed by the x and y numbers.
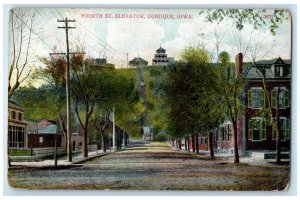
pixel 37 154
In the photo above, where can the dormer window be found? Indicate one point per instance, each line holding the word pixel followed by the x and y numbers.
pixel 280 71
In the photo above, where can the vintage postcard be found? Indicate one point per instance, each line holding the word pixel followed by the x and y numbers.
pixel 149 99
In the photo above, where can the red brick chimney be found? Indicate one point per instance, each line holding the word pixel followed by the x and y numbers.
pixel 239 64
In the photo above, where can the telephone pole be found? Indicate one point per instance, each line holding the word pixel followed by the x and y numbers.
pixel 67 27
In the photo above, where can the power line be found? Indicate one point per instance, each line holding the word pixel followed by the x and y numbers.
pixel 22 21
pixel 104 44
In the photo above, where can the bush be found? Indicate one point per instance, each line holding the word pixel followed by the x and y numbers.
pixel 161 137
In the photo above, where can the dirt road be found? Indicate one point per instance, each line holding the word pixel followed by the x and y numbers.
pixel 153 166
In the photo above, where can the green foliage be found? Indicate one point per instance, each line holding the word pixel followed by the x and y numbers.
pixel 255 17
pixel 39 103
pixel 128 107
pixel 161 137
pixel 195 56
pixel 224 58
pixel 191 95
pixel 230 87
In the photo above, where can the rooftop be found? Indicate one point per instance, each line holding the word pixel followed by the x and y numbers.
pixel 138 61
pixel 51 129
pixel 253 72
pixel 160 50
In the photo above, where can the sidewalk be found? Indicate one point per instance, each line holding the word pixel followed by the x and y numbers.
pixel 228 158
pixel 63 161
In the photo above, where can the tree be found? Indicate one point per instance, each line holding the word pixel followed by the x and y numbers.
pixel 255 17
pixel 53 76
pixel 272 104
pixel 86 87
pixel 118 92
pixel 128 104
pixel 189 89
pixel 231 84
pixel 207 108
pixel 21 40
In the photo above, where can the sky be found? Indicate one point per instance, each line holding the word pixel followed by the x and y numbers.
pixel 112 34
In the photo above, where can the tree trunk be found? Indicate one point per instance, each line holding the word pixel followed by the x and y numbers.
pixel 103 142
pixel 210 144
pixel 84 141
pixel 197 143
pixel 179 143
pixel 185 144
pixel 188 143
pixel 193 143
pixel 235 147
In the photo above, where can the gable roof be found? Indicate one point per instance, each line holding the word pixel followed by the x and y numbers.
pixel 254 73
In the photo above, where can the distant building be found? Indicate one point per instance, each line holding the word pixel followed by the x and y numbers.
pixel 138 62
pixel 16 125
pixel 161 58
pixel 46 137
pixel 100 64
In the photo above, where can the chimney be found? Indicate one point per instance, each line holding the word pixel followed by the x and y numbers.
pixel 239 64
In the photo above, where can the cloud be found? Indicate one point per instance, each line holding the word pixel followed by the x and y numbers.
pixel 189 34
pixel 135 37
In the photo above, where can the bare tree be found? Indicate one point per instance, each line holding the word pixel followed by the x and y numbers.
pixel 258 51
pixel 21 44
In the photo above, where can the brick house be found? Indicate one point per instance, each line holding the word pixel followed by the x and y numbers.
pixel 254 132
pixel 259 134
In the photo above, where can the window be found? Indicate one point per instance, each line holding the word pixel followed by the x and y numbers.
pixel 217 135
pixel 223 134
pixel 20 116
pixel 16 137
pixel 256 98
pixel 283 98
pixel 13 114
pixel 257 129
pixel 229 132
pixel 202 140
pixel 285 129
pixel 41 139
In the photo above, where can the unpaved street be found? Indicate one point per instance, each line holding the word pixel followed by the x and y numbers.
pixel 153 166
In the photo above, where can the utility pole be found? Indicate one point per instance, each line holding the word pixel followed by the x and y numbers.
pixel 69 148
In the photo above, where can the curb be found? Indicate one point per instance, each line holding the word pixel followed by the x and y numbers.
pixel 89 158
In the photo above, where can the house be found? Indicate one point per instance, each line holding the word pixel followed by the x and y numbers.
pixel 259 134
pixel 254 132
pixel 43 123
pixel 45 137
pixel 16 125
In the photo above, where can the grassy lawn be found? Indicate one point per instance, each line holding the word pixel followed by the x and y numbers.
pixel 19 152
